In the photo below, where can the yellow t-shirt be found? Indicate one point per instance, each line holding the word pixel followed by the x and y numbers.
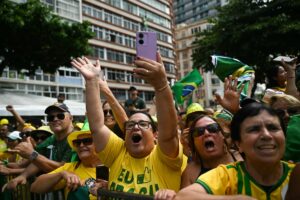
pixel 233 179
pixel 82 172
pixel 3 146
pixel 141 176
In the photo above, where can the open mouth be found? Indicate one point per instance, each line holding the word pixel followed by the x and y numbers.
pixel 136 138
pixel 209 144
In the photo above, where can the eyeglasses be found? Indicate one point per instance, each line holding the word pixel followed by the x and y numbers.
pixel 60 116
pixel 129 125
pixel 291 111
pixel 107 111
pixel 211 128
pixel 85 141
pixel 25 134
pixel 39 137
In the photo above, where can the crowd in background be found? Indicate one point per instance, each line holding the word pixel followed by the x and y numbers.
pixel 248 149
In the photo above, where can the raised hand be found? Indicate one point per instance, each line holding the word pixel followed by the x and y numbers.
pixel 231 99
pixel 86 68
pixel 25 149
pixel 151 71
pixel 103 84
pixel 9 108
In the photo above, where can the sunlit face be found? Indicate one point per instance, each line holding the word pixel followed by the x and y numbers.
pixel 262 139
pixel 209 145
pixel 109 119
pixel 60 125
pixel 139 141
pixel 85 150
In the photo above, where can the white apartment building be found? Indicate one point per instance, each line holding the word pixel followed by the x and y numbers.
pixel 185 36
pixel 114 23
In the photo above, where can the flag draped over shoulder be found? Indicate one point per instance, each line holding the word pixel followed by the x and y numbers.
pixel 225 66
pixel 184 87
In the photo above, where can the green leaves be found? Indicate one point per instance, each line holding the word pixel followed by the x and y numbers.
pixel 31 37
pixel 251 31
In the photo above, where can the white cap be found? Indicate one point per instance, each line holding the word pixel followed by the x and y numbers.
pixel 14 135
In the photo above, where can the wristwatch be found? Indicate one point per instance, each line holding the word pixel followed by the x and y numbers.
pixel 33 155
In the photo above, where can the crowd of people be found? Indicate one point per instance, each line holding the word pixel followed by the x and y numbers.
pixel 249 149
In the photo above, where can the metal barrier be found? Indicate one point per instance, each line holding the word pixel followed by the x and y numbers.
pixel 22 192
pixel 108 194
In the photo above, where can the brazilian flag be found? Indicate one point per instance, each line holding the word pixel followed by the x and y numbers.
pixel 184 87
pixel 225 66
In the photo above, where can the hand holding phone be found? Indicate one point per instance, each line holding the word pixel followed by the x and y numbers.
pixel 284 58
pixel 146 45
pixel 102 172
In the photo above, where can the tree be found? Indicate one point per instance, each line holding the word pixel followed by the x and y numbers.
pixel 31 37
pixel 251 30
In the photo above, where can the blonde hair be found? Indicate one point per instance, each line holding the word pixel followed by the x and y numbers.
pixel 288 99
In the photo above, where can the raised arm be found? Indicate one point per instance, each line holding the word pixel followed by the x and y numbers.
pixel 154 73
pixel 231 99
pixel 118 111
pixel 95 114
pixel 16 115
pixel 291 87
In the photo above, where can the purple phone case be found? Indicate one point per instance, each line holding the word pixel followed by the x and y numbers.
pixel 146 45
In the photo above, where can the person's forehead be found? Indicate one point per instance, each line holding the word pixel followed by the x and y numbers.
pixel 106 106
pixel 262 117
pixel 4 127
pixel 204 121
pixel 55 111
pixel 84 136
pixel 138 117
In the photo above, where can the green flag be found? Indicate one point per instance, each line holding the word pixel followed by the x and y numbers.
pixel 86 125
pixel 225 66
pixel 183 88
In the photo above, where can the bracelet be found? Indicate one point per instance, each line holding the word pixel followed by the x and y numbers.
pixel 162 88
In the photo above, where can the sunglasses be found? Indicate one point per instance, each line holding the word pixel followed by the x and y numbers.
pixel 39 137
pixel 60 116
pixel 107 111
pixel 85 141
pixel 129 125
pixel 25 134
pixel 211 128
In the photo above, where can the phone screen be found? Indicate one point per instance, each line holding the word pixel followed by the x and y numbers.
pixel 146 44
pixel 102 172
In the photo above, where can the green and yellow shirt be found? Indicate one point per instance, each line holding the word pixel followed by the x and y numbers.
pixel 233 179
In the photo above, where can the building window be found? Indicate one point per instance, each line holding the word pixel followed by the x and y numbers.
pixel 120 94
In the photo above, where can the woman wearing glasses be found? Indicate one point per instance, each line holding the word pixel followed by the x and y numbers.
pixel 209 149
pixel 137 165
pixel 71 175
pixel 259 134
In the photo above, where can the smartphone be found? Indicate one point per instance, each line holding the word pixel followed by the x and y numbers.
pixel 284 58
pixel 146 44
pixel 102 172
